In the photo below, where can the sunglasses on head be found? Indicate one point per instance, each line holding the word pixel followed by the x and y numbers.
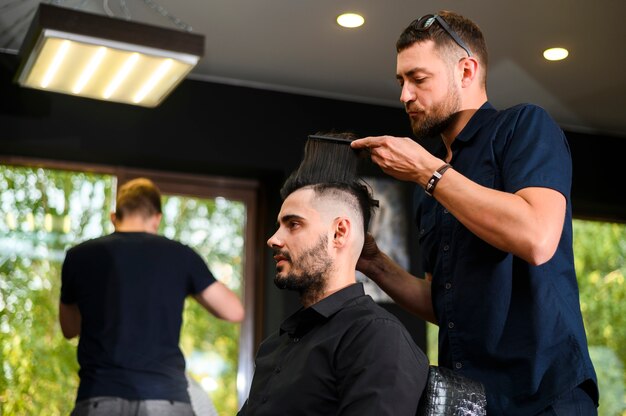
pixel 425 22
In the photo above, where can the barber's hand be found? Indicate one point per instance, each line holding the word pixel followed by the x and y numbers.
pixel 400 157
pixel 368 254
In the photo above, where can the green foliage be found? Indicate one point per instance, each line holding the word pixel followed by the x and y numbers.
pixel 42 214
pixel 214 228
pixel 610 372
pixel 600 258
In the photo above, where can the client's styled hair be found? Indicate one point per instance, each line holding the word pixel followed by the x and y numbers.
pixel 332 165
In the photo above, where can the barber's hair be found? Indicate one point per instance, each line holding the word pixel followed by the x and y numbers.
pixel 139 196
pixel 329 168
pixel 467 30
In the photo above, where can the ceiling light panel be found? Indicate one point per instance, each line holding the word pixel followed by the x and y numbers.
pixel 108 67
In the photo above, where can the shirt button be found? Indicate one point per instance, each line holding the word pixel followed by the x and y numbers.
pixel 296 339
pixel 445 211
pixel 446 247
pixel 448 285
pixel 277 370
pixel 264 399
pixel 458 366
pixel 450 325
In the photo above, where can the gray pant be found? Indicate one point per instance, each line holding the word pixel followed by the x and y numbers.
pixel 115 406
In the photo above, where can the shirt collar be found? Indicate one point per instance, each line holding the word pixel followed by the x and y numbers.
pixel 475 122
pixel 468 131
pixel 305 318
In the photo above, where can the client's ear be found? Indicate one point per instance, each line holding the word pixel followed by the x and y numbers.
pixel 342 231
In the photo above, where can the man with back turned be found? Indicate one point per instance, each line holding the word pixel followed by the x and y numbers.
pixel 123 294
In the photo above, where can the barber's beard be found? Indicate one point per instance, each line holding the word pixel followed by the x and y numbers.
pixel 439 117
pixel 308 273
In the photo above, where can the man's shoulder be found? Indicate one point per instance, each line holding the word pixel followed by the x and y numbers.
pixel 367 323
pixel 91 243
pixel 525 119
pixel 365 311
pixel 522 111
pixel 141 240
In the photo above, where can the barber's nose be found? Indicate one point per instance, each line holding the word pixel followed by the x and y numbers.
pixel 406 95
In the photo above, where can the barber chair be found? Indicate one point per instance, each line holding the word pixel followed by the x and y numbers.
pixel 450 394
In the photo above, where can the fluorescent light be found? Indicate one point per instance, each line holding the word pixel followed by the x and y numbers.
pixel 555 54
pixel 350 20
pixel 11 222
pixel 56 62
pixel 66 224
pixel 153 80
pixel 100 57
pixel 121 75
pixel 47 222
pixel 93 64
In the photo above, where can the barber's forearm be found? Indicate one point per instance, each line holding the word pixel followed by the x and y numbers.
pixel 527 224
pixel 409 292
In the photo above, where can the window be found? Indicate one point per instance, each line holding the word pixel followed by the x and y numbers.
pixel 600 258
pixel 44 211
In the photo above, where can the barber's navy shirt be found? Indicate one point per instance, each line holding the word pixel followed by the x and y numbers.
pixel 515 327
pixel 345 355
pixel 130 288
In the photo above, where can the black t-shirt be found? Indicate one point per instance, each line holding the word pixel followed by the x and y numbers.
pixel 130 288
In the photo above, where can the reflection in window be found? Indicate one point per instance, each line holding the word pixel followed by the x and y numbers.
pixel 43 212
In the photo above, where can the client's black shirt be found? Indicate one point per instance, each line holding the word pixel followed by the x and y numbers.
pixel 345 355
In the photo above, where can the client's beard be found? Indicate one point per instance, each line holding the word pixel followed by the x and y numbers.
pixel 310 276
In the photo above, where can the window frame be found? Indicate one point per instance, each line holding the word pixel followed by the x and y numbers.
pixel 199 186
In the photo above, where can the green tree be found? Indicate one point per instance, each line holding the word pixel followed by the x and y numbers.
pixel 42 214
pixel 214 228
pixel 600 258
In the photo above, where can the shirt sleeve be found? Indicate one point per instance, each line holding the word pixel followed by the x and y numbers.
pixel 68 289
pixel 381 371
pixel 537 154
pixel 200 277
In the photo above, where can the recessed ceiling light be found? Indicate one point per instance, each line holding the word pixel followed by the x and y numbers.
pixel 555 54
pixel 350 20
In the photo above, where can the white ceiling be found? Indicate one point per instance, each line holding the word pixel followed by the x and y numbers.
pixel 296 46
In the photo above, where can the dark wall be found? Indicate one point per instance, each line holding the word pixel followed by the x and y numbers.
pixel 213 129
pixel 598 185
pixel 202 128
